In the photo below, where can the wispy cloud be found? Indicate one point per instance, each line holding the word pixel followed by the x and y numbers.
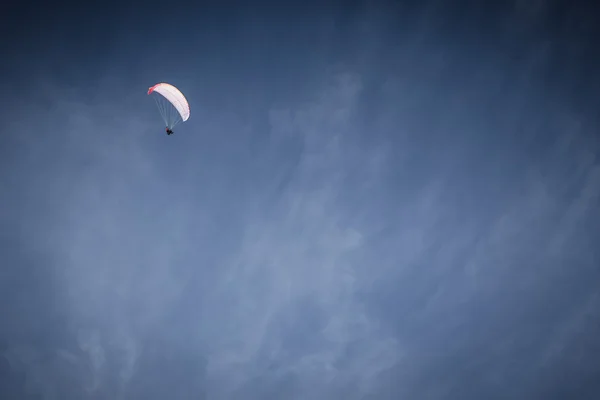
pixel 423 228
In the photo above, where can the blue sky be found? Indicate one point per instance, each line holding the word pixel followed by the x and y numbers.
pixel 369 201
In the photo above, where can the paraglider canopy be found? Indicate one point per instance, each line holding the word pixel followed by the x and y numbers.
pixel 171 103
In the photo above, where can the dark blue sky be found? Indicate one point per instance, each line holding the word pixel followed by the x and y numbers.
pixel 376 200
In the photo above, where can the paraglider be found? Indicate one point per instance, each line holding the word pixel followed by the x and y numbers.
pixel 172 105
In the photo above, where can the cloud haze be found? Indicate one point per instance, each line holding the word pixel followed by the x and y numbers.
pixel 389 209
